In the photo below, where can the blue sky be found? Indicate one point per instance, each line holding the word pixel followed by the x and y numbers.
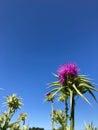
pixel 36 37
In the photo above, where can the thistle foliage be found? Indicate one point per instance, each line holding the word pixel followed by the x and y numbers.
pixel 13 103
pixel 90 126
pixel 77 86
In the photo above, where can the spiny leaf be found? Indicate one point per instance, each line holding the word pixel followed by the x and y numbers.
pixel 88 86
pixel 55 89
pixel 84 77
pixel 92 95
pixel 81 94
pixel 58 91
pixel 54 84
pixel 55 75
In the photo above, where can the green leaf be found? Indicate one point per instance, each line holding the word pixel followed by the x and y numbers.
pixel 54 84
pixel 88 86
pixel 55 89
pixel 58 90
pixel 81 94
pixel 84 77
pixel 55 75
pixel 92 95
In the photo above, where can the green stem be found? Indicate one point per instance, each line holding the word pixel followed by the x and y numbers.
pixel 52 115
pixel 8 117
pixel 66 112
pixel 23 122
pixel 72 114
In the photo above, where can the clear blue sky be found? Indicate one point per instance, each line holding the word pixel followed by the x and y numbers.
pixel 36 36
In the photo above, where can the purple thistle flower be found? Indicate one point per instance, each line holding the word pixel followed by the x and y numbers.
pixel 66 71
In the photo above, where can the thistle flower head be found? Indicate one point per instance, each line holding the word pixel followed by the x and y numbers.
pixel 49 97
pixel 13 102
pixel 22 116
pixel 66 71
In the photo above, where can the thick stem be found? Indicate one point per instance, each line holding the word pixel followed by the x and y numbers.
pixel 23 122
pixel 52 105
pixel 8 117
pixel 66 112
pixel 72 114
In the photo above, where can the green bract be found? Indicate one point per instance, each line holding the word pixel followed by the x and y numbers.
pixel 13 102
pixel 22 116
pixel 49 97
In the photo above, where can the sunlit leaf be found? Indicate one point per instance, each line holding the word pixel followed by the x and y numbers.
pixel 88 86
pixel 81 94
pixel 58 91
pixel 54 84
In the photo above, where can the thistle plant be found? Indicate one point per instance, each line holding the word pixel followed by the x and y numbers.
pixel 70 84
pixel 60 119
pixel 90 126
pixel 13 103
pixel 50 98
